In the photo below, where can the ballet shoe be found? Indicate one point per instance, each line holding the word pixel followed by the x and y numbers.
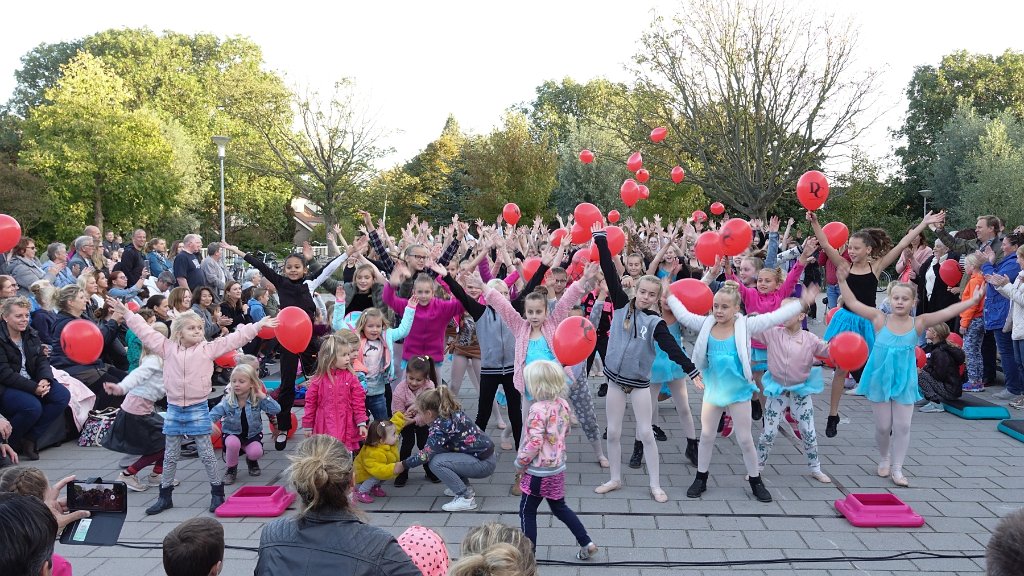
pixel 659 495
pixel 609 486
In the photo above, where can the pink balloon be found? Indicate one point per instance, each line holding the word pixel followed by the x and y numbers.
pixel 635 162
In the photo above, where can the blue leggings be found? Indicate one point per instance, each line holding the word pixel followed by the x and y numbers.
pixel 528 514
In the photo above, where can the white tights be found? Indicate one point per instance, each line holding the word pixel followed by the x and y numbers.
pixel 615 407
pixel 741 421
pixel 681 400
pixel 461 365
pixel 892 432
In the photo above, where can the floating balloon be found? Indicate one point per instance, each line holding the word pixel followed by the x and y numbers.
pixel 658 134
pixel 699 216
pixel 708 248
pixel 848 350
pixel 830 314
pixel 586 156
pixel 616 239
pixel 717 208
pixel 587 214
pixel 132 305
pixel 511 213
pixel 955 340
pixel 694 294
pixel 291 431
pixel 635 162
pixel 920 356
pixel 643 191
pixel 678 174
pixel 812 190
pixel 296 329
pixel 579 234
pixel 614 216
pixel 226 360
pixel 81 341
pixel 557 236
pixel 266 333
pixel 642 175
pixel 950 272
pixel 530 266
pixel 575 339
pixel 736 236
pixel 837 234
pixel 10 233
pixel 630 192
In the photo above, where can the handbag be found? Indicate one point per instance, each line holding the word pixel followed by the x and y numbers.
pixel 96 426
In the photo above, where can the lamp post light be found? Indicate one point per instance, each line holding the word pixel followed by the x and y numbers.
pixel 926 194
pixel 221 142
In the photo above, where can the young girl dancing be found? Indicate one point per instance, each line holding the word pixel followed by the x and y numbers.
pixel 542 455
pixel 790 381
pixel 635 329
pixel 377 459
pixel 667 374
pixel 870 254
pixel 241 410
pixel 580 395
pixel 889 380
pixel 188 370
pixel 335 401
pixel 418 379
pixel 722 352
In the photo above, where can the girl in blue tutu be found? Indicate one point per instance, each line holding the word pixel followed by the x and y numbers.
pixel 889 379
pixel 870 254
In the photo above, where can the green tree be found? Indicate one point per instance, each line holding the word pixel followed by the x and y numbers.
pixel 863 198
pixel 993 175
pixel 24 196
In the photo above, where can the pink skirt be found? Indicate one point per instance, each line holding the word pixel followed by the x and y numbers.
pixel 552 487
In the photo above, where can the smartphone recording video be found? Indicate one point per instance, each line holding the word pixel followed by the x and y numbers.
pixel 98 497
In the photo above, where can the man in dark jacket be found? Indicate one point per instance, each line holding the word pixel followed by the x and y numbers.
pixel 133 260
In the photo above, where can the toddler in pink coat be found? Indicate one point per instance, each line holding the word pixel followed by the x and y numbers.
pixel 335 401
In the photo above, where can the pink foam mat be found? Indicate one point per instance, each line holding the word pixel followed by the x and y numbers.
pixel 873 510
pixel 261 501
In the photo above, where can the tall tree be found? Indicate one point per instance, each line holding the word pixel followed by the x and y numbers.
pixel 755 93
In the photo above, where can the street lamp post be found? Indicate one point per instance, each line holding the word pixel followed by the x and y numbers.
pixel 221 142
pixel 926 194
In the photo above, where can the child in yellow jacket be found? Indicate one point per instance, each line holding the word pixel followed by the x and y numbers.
pixel 376 461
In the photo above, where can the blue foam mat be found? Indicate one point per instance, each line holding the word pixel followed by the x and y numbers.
pixel 970 407
pixel 1012 428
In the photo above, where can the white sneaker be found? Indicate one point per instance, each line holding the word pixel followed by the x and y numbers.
pixel 931 407
pixel 1004 394
pixel 132 482
pixel 460 504
pixel 155 479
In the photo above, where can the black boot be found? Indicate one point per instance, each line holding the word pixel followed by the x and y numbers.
pixel 691 450
pixel 402 479
pixel 28 449
pixel 602 390
pixel 756 413
pixel 636 460
pixel 163 501
pixel 760 492
pixel 216 496
pixel 832 426
pixel 254 467
pixel 230 475
pixel 699 486
pixel 659 434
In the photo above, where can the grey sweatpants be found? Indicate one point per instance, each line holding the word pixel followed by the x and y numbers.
pixel 454 468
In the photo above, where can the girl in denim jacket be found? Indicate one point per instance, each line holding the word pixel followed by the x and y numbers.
pixel 241 415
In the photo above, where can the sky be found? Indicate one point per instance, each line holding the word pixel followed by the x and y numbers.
pixel 418 62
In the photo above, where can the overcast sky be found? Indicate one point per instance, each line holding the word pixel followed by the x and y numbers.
pixel 420 61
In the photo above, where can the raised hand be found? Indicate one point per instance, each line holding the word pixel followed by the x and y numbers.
pixel 810 295
pixel 773 224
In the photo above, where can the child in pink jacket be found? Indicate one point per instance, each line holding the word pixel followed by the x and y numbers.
pixel 335 401
pixel 427 336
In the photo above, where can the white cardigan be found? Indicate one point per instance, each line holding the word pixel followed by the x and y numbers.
pixel 1014 291
pixel 745 327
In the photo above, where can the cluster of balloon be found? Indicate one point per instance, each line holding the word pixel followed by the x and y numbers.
pixel 557 236
pixel 694 294
pixel 291 431
pixel 849 350
pixel 614 216
pixel 812 190
pixel 921 356
pixel 950 272
pixel 616 242
pixel 81 341
pixel 10 233
pixel 132 305
pixel 642 175
pixel 530 266
pixel 226 360
pixel 295 329
pixel 511 213
pixel 717 208
pixel 579 234
pixel 708 248
pixel 575 339
pixel 630 192
pixel 699 216
pixel 635 162
pixel 837 234
pixel 658 134
pixel 586 156
pixel 678 174
pixel 736 236
pixel 586 214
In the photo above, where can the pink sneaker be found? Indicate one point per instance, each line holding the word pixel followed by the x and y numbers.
pixel 364 497
pixel 377 492
pixel 793 424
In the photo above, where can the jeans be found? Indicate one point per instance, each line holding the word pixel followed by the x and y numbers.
pixel 378 407
pixel 1011 368
pixel 832 291
pixel 1018 354
pixel 31 415
pixel 454 468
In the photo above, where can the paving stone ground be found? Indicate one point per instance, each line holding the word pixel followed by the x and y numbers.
pixel 964 476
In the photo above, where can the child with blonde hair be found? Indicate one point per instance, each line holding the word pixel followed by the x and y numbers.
pixel 374 362
pixel 241 409
pixel 543 454
pixel 972 323
pixel 335 401
pixel 376 461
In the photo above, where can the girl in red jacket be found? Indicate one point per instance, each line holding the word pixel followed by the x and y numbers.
pixel 335 401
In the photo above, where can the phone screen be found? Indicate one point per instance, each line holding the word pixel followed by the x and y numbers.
pixel 104 497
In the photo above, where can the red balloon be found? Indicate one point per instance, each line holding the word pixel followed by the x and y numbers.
pixel 575 339
pixel 642 175
pixel 950 272
pixel 216 437
pixel 266 333
pixel 530 266
pixel 812 190
pixel 557 236
pixel 81 341
pixel 10 233
pixel 132 305
pixel 226 360
pixel 717 208
pixel 678 174
pixel 296 329
pixel 586 156
pixel 694 294
pixel 921 356
pixel 848 350
pixel 579 234
pixel 658 134
pixel 593 253
pixel 825 360
pixel 643 191
pixel 955 340
pixel 635 162
pixel 614 216
pixel 630 192
pixel 830 314
pixel 291 431
pixel 699 216
pixel 616 239
pixel 511 213
pixel 736 236
pixel 837 234
pixel 708 248
pixel 587 214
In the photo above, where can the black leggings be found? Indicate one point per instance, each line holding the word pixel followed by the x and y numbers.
pixel 488 388
pixel 286 393
pixel 414 434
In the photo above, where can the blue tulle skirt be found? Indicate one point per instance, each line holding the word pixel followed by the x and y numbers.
pixel 813 385
pixel 846 321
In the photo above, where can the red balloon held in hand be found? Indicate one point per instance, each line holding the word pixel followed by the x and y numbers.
pixel 736 236
pixel 630 192
pixel 955 340
pixel 579 234
pixel 708 248
pixel 132 305
pixel 614 216
pixel 642 175
pixel 530 266
pixel 226 360
pixel 586 214
pixel 658 134
pixel 678 174
pixel 950 272
pixel 557 236
pixel 216 436
pixel 586 156
pixel 920 356
pixel 10 232
pixel 812 190
pixel 511 213
pixel 635 162
pixel 699 216
pixel 616 239
pixel 837 234
pixel 575 339
pixel 717 208
pixel 848 350
pixel 266 333
pixel 81 341
pixel 694 294
pixel 296 329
